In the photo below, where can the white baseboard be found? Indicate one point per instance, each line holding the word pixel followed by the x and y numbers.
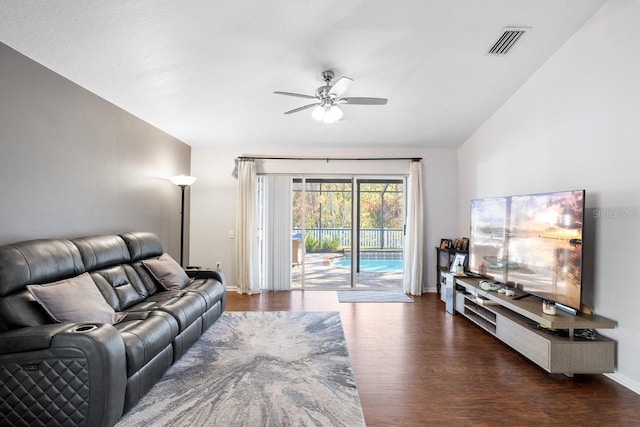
pixel 632 385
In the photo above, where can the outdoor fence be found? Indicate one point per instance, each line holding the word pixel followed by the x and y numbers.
pixel 388 238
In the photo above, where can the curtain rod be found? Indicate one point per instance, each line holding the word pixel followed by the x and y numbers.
pixel 327 159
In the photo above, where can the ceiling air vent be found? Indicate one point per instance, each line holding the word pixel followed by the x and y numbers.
pixel 507 40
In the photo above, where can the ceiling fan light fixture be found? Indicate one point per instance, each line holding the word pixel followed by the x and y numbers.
pixel 333 114
pixel 318 113
pixel 328 113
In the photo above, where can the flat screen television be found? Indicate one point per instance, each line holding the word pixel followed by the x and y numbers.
pixel 532 242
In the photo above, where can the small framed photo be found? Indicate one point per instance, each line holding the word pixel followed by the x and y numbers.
pixel 445 244
pixel 457 245
pixel 458 259
pixel 465 243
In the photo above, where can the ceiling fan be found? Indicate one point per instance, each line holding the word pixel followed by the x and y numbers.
pixel 329 97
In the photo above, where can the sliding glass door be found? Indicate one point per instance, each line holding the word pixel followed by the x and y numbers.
pixel 380 230
pixel 322 222
pixel 324 255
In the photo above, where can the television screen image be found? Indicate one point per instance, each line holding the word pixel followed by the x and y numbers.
pixel 539 246
pixel 488 238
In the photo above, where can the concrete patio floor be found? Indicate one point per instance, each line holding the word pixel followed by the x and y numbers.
pixel 320 274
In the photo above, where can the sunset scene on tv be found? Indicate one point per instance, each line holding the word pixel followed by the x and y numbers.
pixel 538 248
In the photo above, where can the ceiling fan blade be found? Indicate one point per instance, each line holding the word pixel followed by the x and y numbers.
pixel 299 95
pixel 363 101
pixel 295 110
pixel 340 86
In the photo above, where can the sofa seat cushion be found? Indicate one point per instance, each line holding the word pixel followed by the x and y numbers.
pixel 211 290
pixel 185 307
pixel 145 335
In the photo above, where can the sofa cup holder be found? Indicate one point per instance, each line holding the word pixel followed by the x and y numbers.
pixel 84 328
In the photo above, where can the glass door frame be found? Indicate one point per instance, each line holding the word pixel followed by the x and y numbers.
pixel 356 181
pixel 304 180
pixel 356 248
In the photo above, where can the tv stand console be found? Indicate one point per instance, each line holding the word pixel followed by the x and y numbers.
pixel 547 340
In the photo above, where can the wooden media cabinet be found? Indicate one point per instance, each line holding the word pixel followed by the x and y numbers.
pixel 547 340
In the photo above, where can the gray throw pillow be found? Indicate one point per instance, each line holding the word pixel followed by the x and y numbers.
pixel 167 272
pixel 74 300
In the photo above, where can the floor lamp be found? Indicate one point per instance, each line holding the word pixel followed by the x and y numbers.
pixel 182 181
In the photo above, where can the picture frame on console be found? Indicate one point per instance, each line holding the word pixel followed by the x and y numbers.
pixel 459 258
pixel 445 244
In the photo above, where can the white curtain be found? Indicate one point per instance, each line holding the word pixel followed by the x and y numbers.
pixel 276 256
pixel 246 230
pixel 413 244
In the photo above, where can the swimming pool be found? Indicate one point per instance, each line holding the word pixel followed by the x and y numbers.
pixel 372 265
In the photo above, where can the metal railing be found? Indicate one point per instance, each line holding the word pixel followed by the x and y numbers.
pixel 388 238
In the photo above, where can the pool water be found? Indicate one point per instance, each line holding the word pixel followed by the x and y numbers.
pixel 372 265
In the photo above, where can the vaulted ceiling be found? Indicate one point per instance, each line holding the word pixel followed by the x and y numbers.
pixel 205 70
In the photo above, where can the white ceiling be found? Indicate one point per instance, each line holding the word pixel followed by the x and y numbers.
pixel 205 70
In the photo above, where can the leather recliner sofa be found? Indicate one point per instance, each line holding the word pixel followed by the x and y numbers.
pixel 90 373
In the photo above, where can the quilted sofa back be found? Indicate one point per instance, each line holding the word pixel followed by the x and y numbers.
pixel 113 261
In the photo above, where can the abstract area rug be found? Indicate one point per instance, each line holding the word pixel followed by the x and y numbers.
pixel 258 369
pixel 373 296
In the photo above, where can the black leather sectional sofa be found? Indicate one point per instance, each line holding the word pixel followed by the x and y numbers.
pixel 89 373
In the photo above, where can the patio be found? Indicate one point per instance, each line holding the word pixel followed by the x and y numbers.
pixel 320 274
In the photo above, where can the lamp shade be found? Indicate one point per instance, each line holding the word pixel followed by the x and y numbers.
pixel 183 180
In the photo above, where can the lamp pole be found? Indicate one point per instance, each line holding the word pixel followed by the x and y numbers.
pixel 182 187
pixel 183 182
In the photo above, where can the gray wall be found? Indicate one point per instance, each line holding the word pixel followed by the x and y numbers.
pixel 73 164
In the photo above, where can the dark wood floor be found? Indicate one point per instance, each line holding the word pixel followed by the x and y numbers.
pixel 416 365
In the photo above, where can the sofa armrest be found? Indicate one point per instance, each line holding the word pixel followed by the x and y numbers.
pixel 30 339
pixel 75 372
pixel 200 273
